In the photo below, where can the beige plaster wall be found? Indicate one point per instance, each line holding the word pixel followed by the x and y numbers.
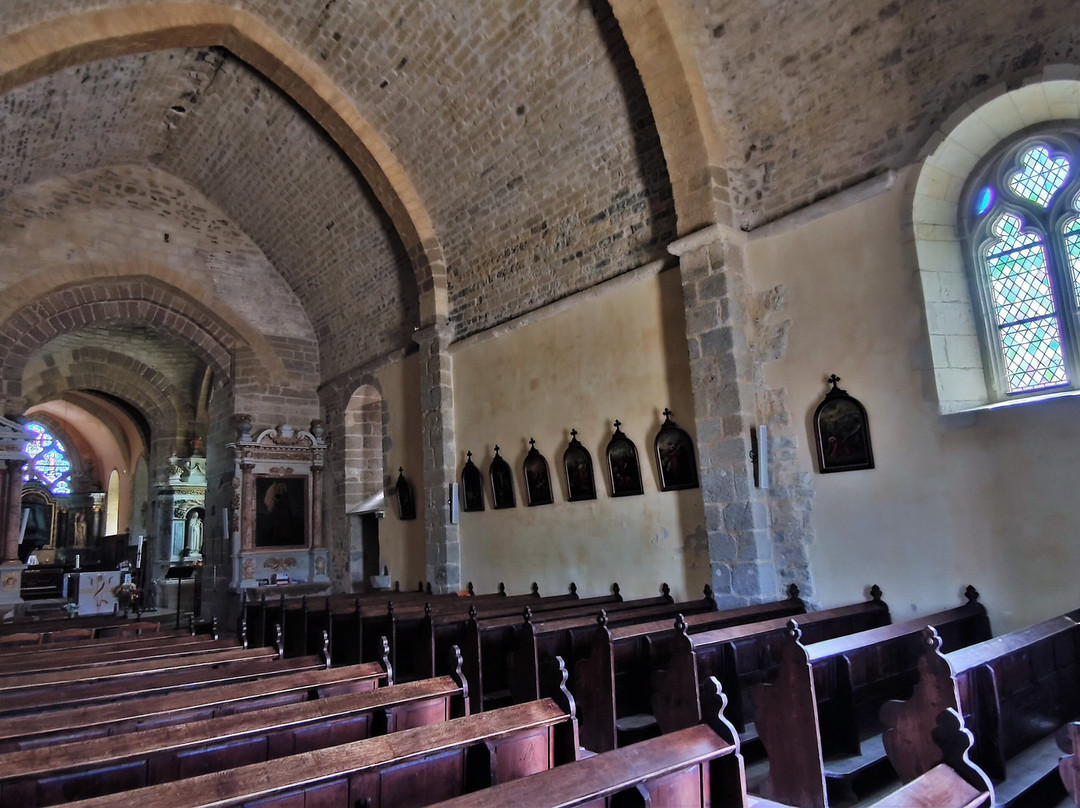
pixel 401 543
pixel 985 499
pixel 619 353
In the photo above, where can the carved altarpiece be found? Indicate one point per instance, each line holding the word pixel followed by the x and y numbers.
pixel 276 514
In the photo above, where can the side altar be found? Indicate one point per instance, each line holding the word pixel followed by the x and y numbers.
pixel 276 518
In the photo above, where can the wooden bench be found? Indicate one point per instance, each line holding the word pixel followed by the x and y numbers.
pixel 413 767
pixel 41 697
pixel 94 656
pixel 537 644
pixel 614 677
pixel 740 657
pixel 100 720
pixel 695 767
pixel 1016 693
pixel 65 772
pixel 819 721
pixel 953 782
pixel 490 643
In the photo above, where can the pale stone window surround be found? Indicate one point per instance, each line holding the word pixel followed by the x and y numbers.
pixel 972 132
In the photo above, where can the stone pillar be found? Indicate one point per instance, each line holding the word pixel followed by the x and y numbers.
pixel 12 495
pixel 247 506
pixel 437 417
pixel 722 372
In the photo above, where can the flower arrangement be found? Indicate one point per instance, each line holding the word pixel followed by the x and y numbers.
pixel 126 591
pixel 71 608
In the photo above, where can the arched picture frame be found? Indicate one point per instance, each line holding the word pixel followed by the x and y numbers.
pixel 842 432
pixel 623 465
pixel 406 504
pixel 577 465
pixel 502 482
pixel 472 486
pixel 537 479
pixel 675 458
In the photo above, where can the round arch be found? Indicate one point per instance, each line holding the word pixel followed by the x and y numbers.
pixel 141 299
pixel 958 146
pixel 60 42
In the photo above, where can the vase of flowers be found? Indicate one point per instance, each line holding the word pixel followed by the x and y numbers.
pixel 125 594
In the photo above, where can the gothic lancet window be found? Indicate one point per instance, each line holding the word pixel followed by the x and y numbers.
pixel 1022 218
pixel 48 461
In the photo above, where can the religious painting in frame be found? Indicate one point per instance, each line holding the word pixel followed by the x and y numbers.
pixel 502 482
pixel 623 465
pixel 577 464
pixel 406 503
pixel 280 511
pixel 842 432
pixel 472 486
pixel 537 479
pixel 675 456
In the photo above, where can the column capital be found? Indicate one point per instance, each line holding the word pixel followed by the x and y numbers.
pixel 440 331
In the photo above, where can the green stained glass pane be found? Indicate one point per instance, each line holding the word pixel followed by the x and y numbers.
pixel 1024 307
pixel 1071 231
pixel 1041 175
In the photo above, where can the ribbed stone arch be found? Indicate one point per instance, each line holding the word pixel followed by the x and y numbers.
pixel 139 301
pixel 694 145
pixel 128 383
pixel 78 38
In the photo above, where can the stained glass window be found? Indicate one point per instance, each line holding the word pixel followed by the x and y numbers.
pixel 48 460
pixel 1028 266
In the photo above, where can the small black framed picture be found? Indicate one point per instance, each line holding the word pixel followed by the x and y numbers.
pixel 623 465
pixel 577 464
pixel 537 479
pixel 406 504
pixel 502 482
pixel 842 432
pixel 675 456
pixel 472 486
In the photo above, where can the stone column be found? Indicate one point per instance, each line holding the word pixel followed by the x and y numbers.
pixel 722 373
pixel 437 417
pixel 247 506
pixel 12 494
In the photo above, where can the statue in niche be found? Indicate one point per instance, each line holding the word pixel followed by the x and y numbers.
pixel 80 529
pixel 195 534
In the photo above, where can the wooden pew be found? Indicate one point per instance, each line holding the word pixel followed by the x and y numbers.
pixel 51 697
pixel 739 656
pixel 819 721
pixel 116 718
pixel 537 644
pixel 695 767
pixel 490 643
pixel 1016 693
pixel 412 628
pixel 614 676
pixel 413 767
pixel 80 770
pixel 93 656
pixel 951 782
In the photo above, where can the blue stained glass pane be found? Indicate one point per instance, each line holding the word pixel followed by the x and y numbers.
pixel 1040 177
pixel 984 200
pixel 48 460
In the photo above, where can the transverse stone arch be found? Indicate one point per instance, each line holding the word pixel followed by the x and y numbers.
pixel 138 300
pixel 74 39
pixel 694 147
pixel 126 383
pixel 972 132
